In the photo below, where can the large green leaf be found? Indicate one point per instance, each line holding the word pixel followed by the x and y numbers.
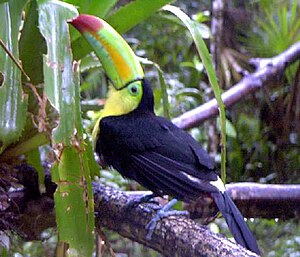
pixel 34 159
pixel 32 46
pixel 73 196
pixel 94 7
pixel 133 13
pixel 58 72
pixel 73 205
pixel 13 103
pixel 122 20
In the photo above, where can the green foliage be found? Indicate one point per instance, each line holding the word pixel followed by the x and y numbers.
pixel 139 10
pixel 277 27
pixel 59 86
pixel 73 199
pixel 13 102
pixel 34 159
pixel 32 60
pixel 74 210
pixel 94 7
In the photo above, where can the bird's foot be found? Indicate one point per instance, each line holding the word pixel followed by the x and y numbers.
pixel 147 198
pixel 162 213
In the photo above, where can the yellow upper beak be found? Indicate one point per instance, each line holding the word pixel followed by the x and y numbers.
pixel 119 61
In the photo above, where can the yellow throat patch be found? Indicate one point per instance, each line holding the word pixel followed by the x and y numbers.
pixel 120 102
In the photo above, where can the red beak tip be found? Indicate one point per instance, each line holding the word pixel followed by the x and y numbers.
pixel 85 22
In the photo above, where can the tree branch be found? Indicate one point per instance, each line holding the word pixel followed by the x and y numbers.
pixel 253 200
pixel 28 213
pixel 173 236
pixel 258 201
pixel 267 70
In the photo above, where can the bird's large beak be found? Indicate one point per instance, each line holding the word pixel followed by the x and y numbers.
pixel 117 58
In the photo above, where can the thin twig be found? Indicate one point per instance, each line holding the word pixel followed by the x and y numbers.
pixel 14 59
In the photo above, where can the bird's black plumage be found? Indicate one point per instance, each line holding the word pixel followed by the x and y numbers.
pixel 166 160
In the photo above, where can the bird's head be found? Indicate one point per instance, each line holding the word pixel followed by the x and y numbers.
pixel 120 64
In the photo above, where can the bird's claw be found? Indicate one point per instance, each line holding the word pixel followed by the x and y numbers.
pixel 162 213
pixel 148 198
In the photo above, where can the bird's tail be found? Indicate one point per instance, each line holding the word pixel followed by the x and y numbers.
pixel 235 222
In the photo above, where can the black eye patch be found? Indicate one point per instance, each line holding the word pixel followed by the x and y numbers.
pixel 128 83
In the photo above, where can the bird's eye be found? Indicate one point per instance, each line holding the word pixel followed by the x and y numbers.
pixel 133 89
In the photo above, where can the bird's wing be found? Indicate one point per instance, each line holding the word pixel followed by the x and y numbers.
pixel 161 172
pixel 201 155
pixel 157 154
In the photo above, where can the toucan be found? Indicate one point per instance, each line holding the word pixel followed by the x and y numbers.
pixel 145 147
